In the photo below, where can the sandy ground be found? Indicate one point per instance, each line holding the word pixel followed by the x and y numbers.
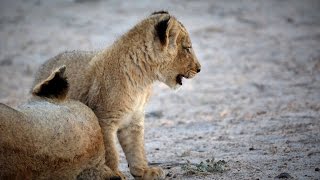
pixel 255 104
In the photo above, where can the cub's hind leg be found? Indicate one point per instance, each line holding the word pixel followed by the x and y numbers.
pixel 109 131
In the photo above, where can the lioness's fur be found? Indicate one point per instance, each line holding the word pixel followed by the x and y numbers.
pixel 50 137
pixel 116 83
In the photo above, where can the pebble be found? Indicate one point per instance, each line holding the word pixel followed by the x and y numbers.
pixel 284 176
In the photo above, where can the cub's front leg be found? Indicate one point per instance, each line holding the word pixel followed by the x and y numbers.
pixel 131 139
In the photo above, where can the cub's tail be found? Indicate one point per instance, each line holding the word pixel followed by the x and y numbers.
pixel 55 86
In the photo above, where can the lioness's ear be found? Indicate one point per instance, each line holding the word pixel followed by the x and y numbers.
pixel 55 86
pixel 168 31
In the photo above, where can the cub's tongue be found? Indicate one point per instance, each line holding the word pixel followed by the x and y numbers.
pixel 179 79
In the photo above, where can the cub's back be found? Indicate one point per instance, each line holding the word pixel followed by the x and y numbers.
pixel 75 61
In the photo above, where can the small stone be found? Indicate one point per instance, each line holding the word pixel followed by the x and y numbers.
pixel 251 149
pixel 224 113
pixel 284 176
pixel 6 62
pixel 155 114
pixel 157 149
pixel 261 112
pixel 290 20
pixel 185 153
pixel 83 1
pixel 317 169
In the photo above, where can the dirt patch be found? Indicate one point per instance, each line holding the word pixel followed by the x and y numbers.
pixel 255 106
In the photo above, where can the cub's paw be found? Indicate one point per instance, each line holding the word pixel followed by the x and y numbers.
pixel 114 178
pixel 119 176
pixel 100 173
pixel 112 175
pixel 148 173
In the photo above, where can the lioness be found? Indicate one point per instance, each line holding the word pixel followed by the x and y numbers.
pixel 50 137
pixel 116 83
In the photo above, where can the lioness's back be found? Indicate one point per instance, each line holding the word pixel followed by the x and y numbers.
pixel 44 140
pixel 50 136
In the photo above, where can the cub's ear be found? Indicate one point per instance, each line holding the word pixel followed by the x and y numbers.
pixel 168 31
pixel 55 86
pixel 159 12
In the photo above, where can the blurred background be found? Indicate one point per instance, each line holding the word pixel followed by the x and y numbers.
pixel 255 105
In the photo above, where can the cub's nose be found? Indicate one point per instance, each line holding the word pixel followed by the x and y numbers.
pixel 198 70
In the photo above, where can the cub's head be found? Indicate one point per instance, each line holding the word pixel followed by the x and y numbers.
pixel 177 59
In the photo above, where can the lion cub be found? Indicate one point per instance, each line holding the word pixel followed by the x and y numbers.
pixel 116 83
pixel 50 137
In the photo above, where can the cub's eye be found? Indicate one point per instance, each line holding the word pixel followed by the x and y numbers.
pixel 188 49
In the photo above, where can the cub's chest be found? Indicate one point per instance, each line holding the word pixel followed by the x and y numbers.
pixel 136 113
pixel 139 102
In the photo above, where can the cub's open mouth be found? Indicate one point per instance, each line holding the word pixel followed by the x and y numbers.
pixel 179 79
